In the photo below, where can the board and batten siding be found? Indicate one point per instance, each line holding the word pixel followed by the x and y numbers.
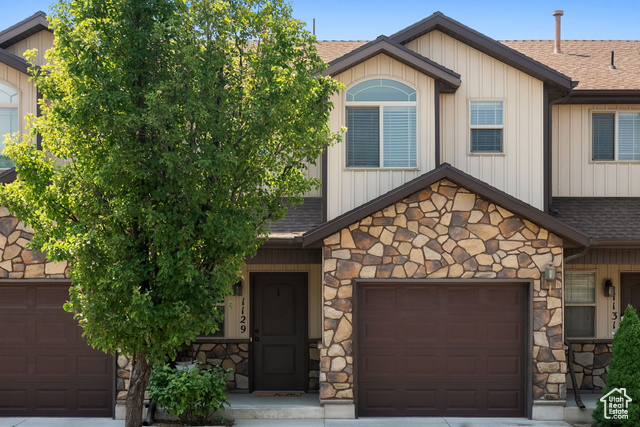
pixel 315 171
pixel 575 174
pixel 348 188
pixel 519 170
pixel 42 41
pixel 234 312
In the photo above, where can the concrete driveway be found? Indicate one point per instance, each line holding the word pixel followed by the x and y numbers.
pixel 360 422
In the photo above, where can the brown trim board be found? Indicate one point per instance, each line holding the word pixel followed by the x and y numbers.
pixel 446 171
pixel 23 29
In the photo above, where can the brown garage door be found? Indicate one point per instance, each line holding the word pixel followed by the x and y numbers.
pixel 46 367
pixel 441 349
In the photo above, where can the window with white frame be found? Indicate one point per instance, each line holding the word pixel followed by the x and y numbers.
pixel 381 125
pixel 616 136
pixel 8 118
pixel 580 304
pixel 487 126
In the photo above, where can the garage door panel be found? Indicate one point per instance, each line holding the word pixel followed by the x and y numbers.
pixel 13 332
pixel 13 399
pixel 379 298
pixel 46 367
pixel 13 298
pixel 457 359
pixel 420 299
pixel 504 365
pixel 52 365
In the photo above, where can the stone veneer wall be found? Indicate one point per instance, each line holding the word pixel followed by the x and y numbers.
pixel 16 262
pixel 591 365
pixel 225 354
pixel 442 231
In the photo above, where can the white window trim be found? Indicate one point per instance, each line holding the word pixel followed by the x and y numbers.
pixel 594 304
pixel 615 136
pixel 17 105
pixel 502 127
pixel 380 105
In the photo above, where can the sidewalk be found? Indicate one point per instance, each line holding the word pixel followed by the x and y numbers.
pixel 360 422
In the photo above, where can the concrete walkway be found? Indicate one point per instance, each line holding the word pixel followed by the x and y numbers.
pixel 360 422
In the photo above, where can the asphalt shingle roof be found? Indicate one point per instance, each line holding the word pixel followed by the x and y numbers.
pixel 299 219
pixel 588 61
pixel 601 217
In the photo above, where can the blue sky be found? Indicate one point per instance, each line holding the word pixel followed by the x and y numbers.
pixel 501 20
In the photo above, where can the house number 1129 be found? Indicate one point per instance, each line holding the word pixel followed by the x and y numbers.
pixel 243 319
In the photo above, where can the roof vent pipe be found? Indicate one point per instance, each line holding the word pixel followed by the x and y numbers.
pixel 556 46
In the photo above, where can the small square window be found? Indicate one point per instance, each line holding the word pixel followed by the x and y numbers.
pixel 486 126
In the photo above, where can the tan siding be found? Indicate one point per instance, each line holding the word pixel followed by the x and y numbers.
pixel 604 305
pixel 519 170
pixel 26 89
pixel 574 173
pixel 234 304
pixel 349 188
pixel 41 41
pixel 315 171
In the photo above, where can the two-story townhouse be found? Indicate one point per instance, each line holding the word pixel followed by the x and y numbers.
pixel 478 213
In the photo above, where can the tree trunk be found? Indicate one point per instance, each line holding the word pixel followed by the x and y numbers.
pixel 137 386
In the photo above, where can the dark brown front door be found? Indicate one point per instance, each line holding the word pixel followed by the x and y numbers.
pixel 630 291
pixel 46 367
pixel 279 321
pixel 453 350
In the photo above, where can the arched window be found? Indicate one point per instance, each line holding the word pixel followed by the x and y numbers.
pixel 8 118
pixel 381 124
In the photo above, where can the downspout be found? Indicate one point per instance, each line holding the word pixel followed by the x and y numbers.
pixel 570 355
pixel 436 127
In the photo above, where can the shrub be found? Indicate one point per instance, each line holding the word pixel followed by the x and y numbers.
pixel 192 394
pixel 624 370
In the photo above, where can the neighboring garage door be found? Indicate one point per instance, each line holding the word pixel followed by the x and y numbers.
pixel 441 349
pixel 46 367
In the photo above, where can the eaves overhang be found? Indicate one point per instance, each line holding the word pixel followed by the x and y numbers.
pixel 449 80
pixel 603 96
pixel 446 171
pixel 439 21
pixel 14 61
pixel 23 29
pixel 8 176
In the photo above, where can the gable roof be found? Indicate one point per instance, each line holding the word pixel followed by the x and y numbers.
pixel 438 21
pixel 449 80
pixel 23 29
pixel 446 171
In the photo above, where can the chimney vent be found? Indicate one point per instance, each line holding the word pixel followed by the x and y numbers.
pixel 556 47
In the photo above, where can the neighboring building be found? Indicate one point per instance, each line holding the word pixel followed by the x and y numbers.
pixel 481 212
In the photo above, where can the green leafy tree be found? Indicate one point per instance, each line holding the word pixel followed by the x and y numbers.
pixel 624 370
pixel 172 131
